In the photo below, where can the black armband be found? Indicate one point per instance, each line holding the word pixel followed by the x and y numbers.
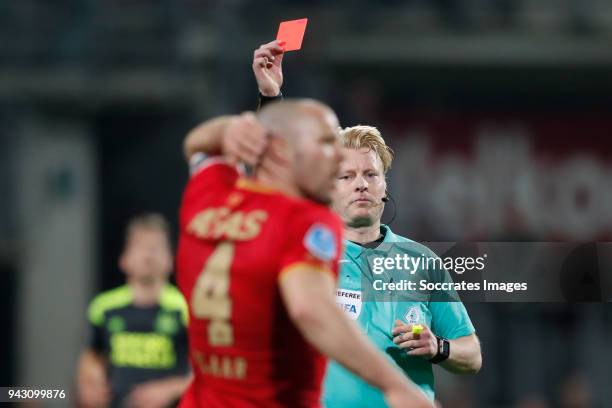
pixel 264 100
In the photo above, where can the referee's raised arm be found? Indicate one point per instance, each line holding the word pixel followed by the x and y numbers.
pixel 268 70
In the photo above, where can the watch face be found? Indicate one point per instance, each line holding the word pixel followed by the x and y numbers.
pixel 443 350
pixel 445 347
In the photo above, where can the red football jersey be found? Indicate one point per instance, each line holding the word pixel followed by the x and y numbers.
pixel 237 239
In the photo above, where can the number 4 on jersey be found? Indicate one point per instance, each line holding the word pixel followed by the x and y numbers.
pixel 210 298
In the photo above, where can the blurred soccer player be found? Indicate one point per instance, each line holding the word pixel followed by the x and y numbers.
pixel 139 329
pixel 257 262
pixel 449 337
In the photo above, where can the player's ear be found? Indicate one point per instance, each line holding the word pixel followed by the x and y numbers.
pixel 170 265
pixel 123 262
pixel 278 149
pixel 276 159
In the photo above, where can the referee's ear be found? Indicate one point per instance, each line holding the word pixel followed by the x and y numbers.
pixel 385 198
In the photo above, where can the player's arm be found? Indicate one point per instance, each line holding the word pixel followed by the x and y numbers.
pixel 238 138
pixel 92 382
pixel 308 296
pixel 93 388
pixel 159 393
pixel 268 70
pixel 206 138
pixel 465 356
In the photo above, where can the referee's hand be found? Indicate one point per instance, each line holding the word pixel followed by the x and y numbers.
pixel 424 345
pixel 267 67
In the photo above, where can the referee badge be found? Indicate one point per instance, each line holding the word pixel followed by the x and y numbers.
pixel 350 302
pixel 413 316
pixel 320 242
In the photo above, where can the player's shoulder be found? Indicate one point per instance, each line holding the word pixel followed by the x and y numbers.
pixel 172 299
pixel 206 171
pixel 199 162
pixel 319 227
pixel 116 298
pixel 297 214
pixel 311 211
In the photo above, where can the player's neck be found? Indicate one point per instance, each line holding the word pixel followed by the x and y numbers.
pixel 146 293
pixel 278 181
pixel 363 235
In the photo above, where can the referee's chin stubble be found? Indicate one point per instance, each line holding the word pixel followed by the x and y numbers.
pixel 360 222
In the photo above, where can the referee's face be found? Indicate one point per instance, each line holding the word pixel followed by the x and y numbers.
pixel 360 188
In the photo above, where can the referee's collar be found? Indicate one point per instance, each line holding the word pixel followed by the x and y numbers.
pixel 355 249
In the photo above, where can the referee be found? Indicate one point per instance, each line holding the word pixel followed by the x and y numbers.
pixel 448 337
pixel 137 355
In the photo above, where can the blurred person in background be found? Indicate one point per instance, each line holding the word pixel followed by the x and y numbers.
pixel 575 392
pixel 449 337
pixel 258 259
pixel 137 356
pixel 532 401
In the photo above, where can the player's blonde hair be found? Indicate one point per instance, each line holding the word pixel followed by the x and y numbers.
pixel 361 136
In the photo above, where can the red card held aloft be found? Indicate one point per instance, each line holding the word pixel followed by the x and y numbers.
pixel 292 33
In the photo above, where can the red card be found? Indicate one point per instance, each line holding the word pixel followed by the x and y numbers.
pixel 292 33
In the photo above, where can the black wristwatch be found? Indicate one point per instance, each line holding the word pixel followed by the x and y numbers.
pixel 443 350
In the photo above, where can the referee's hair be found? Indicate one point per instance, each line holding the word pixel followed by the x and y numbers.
pixel 361 136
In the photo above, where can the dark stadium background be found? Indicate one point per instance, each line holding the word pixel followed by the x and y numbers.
pixel 475 96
